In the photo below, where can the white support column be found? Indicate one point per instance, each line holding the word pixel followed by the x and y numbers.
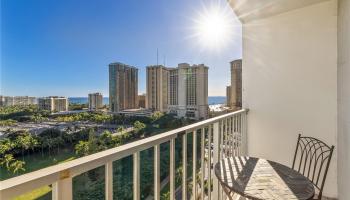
pixel 157 172
pixel 109 180
pixel 63 189
pixel 136 176
pixel 202 162
pixel 194 167
pixel 184 166
pixel 172 169
pixel 216 150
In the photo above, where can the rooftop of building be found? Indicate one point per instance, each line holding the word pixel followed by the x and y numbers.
pixel 95 93
pixel 122 64
pixel 53 97
pixel 235 61
pixel 186 65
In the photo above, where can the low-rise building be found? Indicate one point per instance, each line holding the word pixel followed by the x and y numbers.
pixel 53 103
pixel 142 101
pixel 141 112
pixel 17 100
pixel 95 101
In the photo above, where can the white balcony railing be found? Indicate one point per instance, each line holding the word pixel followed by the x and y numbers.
pixel 225 135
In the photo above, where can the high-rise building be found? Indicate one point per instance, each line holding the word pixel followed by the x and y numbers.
pixel 17 100
pixel 157 88
pixel 123 82
pixel 236 83
pixel 188 91
pixel 142 101
pixel 53 103
pixel 228 96
pixel 95 101
pixel 173 87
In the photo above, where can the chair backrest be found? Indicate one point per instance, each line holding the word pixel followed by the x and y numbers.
pixel 312 158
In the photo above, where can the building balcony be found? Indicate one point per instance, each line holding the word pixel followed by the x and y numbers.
pixel 202 145
pixel 295 75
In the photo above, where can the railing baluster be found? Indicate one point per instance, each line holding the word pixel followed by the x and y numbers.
pixel 244 134
pixel 63 189
pixel 209 161
pixel 240 134
pixel 227 147
pixel 172 169
pixel 194 165
pixel 109 180
pixel 231 136
pixel 235 141
pixel 221 136
pixel 202 162
pixel 136 175
pixel 156 172
pixel 184 166
pixel 235 138
pixel 222 146
pixel 226 134
pixel 216 157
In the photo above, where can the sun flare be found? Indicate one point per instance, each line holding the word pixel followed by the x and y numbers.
pixel 214 27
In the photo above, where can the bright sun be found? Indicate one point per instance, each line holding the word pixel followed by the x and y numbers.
pixel 214 27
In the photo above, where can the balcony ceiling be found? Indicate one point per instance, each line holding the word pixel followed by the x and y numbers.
pixel 248 10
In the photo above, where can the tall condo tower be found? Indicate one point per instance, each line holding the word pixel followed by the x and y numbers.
pixel 157 88
pixel 236 84
pixel 188 91
pixel 123 90
pixel 228 96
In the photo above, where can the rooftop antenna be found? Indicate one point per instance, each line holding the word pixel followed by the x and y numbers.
pixel 157 56
pixel 164 57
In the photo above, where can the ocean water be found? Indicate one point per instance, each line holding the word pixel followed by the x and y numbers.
pixel 84 100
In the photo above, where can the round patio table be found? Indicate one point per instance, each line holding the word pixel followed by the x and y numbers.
pixel 261 179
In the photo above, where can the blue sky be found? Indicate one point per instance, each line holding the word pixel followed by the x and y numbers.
pixel 63 47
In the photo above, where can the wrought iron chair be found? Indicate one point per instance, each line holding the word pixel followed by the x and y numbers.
pixel 312 158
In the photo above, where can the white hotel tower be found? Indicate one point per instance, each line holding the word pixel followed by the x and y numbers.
pixel 188 91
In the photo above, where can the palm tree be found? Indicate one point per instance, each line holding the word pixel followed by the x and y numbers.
pixel 165 196
pixel 82 148
pixel 33 143
pixel 17 165
pixel 6 160
pixel 139 127
pixel 120 129
pixel 5 146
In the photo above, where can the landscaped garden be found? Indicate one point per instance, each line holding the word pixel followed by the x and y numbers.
pixel 22 152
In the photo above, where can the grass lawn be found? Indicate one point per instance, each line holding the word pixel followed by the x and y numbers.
pixel 43 193
pixel 35 162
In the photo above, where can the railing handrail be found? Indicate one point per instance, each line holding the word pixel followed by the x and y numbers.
pixel 48 175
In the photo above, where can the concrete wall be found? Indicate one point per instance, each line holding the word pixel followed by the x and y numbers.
pixel 344 99
pixel 290 82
